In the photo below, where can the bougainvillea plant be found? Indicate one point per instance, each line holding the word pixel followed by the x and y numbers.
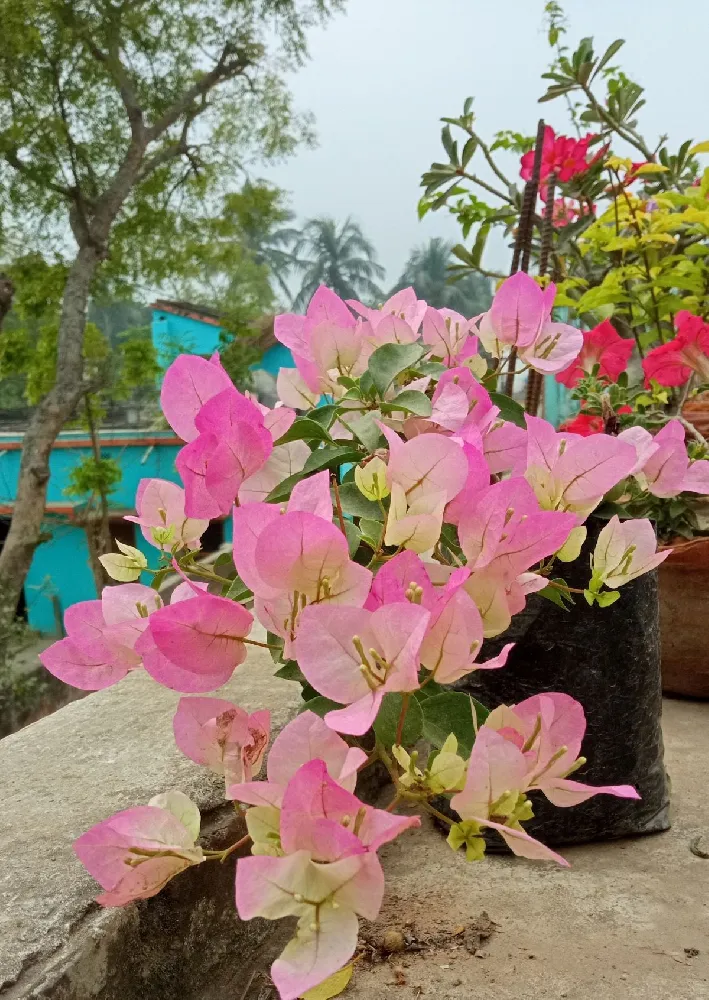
pixel 379 537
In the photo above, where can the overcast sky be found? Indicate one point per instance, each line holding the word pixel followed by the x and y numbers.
pixel 382 75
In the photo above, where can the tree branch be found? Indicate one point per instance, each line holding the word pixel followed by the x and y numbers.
pixel 119 73
pixel 11 157
pixel 225 69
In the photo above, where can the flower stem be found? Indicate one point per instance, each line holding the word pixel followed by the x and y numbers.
pixel 338 505
pixel 439 815
pixel 263 645
pixel 223 855
pixel 405 699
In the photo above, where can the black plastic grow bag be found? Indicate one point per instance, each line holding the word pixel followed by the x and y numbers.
pixel 609 660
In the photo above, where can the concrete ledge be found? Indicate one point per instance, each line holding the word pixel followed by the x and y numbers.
pixel 112 750
pixel 628 921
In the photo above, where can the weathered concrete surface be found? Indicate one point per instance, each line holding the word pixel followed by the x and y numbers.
pixel 622 924
pixel 614 927
pixel 61 775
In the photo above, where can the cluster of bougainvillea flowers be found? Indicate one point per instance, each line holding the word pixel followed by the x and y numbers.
pixel 380 535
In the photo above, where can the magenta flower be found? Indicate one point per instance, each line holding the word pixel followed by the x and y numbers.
pixel 195 645
pixel 548 731
pixel 100 647
pixel 233 443
pixel 450 335
pixel 327 342
pixel 403 305
pixel 355 657
pixel 329 875
pixel 161 515
pixel 506 529
pixel 674 363
pixel 454 632
pixel 573 473
pixel 304 739
pixel 296 558
pixel 188 384
pixel 494 795
pixel 427 465
pixel 520 316
pixel 222 736
pixel 601 346
pixel 663 467
pixel 135 853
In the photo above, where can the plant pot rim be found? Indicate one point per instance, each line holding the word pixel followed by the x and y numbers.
pixel 688 555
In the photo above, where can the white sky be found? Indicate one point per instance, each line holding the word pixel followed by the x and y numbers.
pixel 382 75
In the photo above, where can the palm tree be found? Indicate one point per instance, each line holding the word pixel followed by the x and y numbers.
pixel 427 270
pixel 339 256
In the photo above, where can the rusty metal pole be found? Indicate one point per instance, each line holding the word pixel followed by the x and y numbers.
pixel 523 242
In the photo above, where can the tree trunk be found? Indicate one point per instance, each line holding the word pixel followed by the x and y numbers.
pixel 44 426
pixel 7 290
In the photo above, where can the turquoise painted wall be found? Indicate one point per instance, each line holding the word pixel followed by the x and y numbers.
pixel 197 337
pixel 60 573
pixel 60 566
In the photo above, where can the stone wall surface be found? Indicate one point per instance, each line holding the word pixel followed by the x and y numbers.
pixel 109 751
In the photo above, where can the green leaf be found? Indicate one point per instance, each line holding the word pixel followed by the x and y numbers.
pixel 304 429
pixel 372 531
pixel 434 368
pixel 238 591
pixel 452 712
pixel 354 537
pixel 510 409
pixel 290 671
pixel 330 457
pixel 410 401
pixel 275 640
pixel 431 689
pixel 364 429
pixel 608 55
pixel 320 705
pixel 607 598
pixel 323 415
pixel 556 596
pixel 390 360
pixel 555 92
pixel 160 577
pixel 468 150
pixel 449 144
pixel 590 597
pixel 387 721
pixel 356 504
pixel 479 245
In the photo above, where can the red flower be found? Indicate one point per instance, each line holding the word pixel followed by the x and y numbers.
pixel 585 424
pixel 562 156
pixel 601 346
pixel 566 211
pixel 674 363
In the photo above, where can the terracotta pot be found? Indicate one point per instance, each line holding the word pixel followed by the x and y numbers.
pixel 697 413
pixel 684 619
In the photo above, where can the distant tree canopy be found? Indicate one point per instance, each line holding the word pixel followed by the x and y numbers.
pixel 123 126
pixel 427 271
pixel 325 252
